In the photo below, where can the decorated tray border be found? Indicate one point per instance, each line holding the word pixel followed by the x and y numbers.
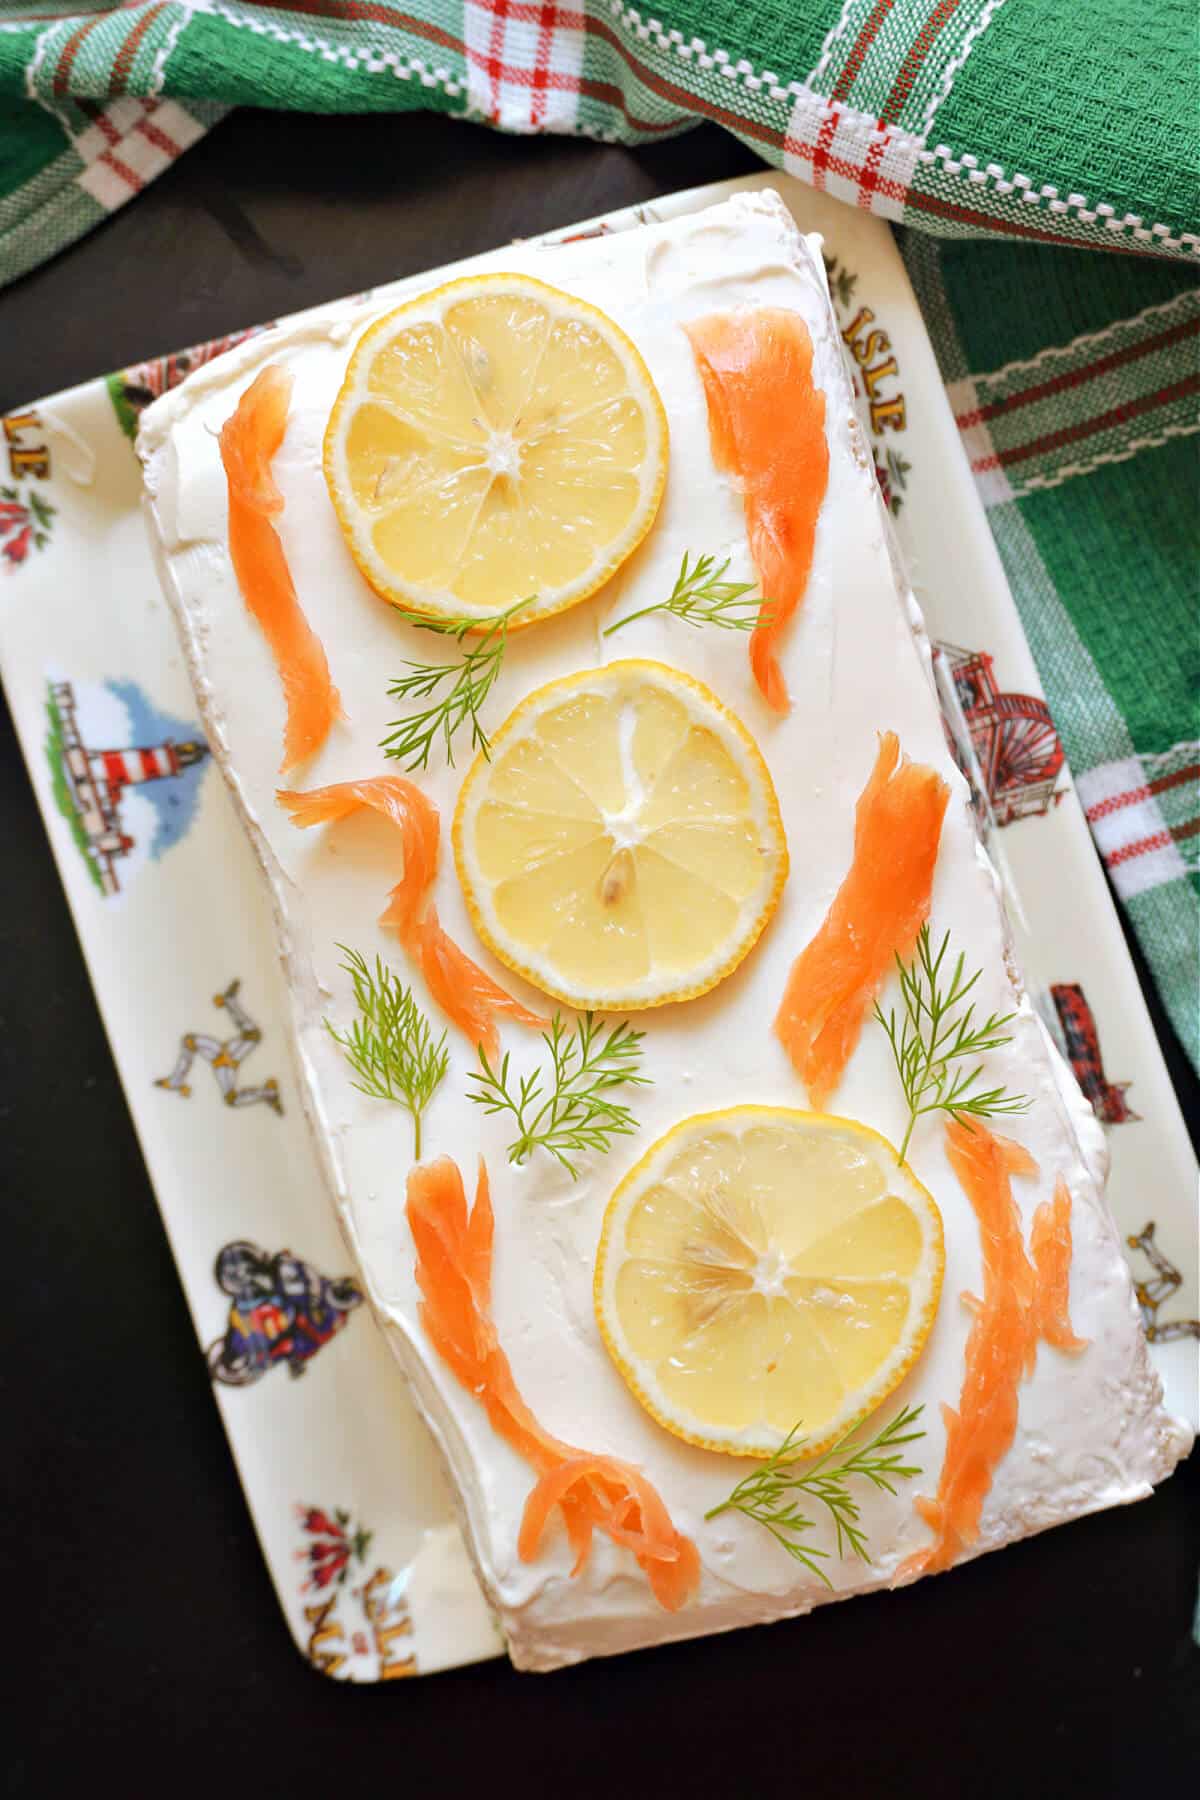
pixel 360 1535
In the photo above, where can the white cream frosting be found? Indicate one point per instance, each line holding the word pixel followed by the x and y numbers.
pixel 1092 1429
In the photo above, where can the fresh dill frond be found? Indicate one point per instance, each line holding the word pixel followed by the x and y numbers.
pixel 390 1046
pixel 702 597
pixel 770 1494
pixel 456 691
pixel 569 1107
pixel 933 1035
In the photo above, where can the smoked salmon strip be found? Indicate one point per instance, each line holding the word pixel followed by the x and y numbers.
pixel 464 991
pixel 249 441
pixel 1022 1301
pixel 1050 1246
pixel 766 424
pixel 592 1492
pixel 875 917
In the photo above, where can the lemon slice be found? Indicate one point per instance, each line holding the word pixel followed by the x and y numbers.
pixel 623 846
pixel 495 440
pixel 762 1268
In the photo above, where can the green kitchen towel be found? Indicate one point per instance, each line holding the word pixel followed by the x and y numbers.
pixel 1046 126
pixel 1075 384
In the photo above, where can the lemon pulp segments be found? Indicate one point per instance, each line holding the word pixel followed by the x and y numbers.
pixel 494 440
pixel 623 846
pixel 762 1267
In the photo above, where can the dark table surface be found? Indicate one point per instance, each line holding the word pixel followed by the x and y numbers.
pixel 142 1636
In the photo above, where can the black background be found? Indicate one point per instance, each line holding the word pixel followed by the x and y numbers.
pixel 141 1635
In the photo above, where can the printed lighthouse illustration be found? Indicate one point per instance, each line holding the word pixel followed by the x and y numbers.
pixel 99 780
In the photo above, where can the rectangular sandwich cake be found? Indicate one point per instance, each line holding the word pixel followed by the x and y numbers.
pixel 738 1229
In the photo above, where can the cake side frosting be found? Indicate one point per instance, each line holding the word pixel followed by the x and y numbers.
pixel 1092 1431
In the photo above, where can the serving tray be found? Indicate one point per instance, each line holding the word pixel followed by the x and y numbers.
pixel 345 1490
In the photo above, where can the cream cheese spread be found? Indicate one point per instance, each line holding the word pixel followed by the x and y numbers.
pixel 1092 1430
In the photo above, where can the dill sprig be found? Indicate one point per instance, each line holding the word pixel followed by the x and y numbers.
pixel 569 1107
pixel 701 597
pixel 456 690
pixel 768 1494
pixel 390 1046
pixel 929 1040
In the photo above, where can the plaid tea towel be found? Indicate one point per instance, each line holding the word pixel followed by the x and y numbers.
pixel 1045 126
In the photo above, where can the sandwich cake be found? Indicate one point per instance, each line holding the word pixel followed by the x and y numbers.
pixel 739 1231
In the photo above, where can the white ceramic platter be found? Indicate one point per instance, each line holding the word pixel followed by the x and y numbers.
pixel 350 1505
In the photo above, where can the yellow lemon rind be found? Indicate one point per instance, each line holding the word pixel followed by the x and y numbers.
pixel 418 601
pixel 873 1397
pixel 614 999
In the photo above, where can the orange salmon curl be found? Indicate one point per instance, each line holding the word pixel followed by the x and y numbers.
pixel 249 442
pixel 766 424
pixel 1022 1301
pixel 1050 1245
pixel 464 991
pixel 875 917
pixel 591 1491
